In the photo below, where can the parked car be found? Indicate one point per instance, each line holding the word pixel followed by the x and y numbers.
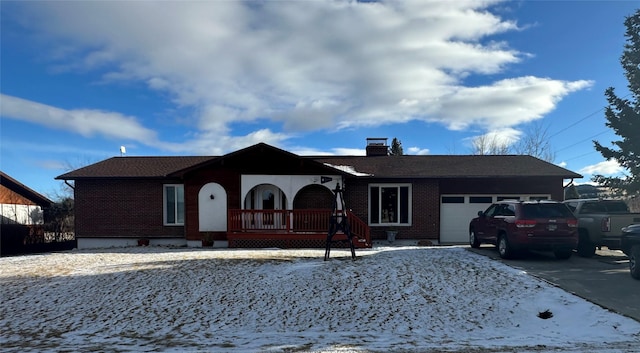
pixel 630 244
pixel 514 226
pixel 600 222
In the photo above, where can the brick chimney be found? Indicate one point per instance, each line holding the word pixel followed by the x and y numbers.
pixel 377 146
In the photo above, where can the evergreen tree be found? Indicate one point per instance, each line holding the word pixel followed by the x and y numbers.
pixel 623 116
pixel 396 148
pixel 571 192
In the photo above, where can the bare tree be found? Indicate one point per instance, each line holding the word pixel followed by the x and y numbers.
pixel 65 190
pixel 535 142
pixel 488 144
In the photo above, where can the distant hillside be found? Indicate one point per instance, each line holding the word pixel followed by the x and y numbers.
pixel 587 191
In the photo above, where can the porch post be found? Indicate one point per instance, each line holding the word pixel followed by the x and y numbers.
pixel 288 219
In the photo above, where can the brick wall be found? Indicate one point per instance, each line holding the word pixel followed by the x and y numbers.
pixel 426 211
pixel 425 207
pixel 313 197
pixel 121 208
pixel 133 208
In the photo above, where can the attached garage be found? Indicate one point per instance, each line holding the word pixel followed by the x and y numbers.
pixel 457 210
pixel 444 192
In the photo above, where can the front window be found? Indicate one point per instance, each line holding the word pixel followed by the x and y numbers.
pixel 389 204
pixel 174 204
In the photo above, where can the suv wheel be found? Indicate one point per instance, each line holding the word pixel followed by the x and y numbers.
pixel 585 247
pixel 473 240
pixel 504 249
pixel 634 255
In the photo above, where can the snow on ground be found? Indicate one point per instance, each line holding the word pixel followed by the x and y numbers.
pixel 391 299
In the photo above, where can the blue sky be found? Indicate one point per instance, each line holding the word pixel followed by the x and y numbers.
pixel 79 79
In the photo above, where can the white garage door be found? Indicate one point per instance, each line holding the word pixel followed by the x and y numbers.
pixel 456 211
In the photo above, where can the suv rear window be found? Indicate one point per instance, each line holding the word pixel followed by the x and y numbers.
pixel 546 210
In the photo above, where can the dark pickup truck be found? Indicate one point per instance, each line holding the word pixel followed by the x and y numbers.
pixel 600 223
pixel 630 245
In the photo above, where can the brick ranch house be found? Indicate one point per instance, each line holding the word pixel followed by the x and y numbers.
pixel 262 196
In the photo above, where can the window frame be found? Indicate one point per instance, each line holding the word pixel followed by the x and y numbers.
pixel 408 206
pixel 165 205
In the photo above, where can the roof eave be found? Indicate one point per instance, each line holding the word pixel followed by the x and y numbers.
pixel 26 191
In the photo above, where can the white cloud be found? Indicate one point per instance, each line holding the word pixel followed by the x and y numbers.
pixel 610 167
pixel 214 143
pixel 339 151
pixel 606 168
pixel 61 148
pixel 306 65
pixel 349 151
pixel 418 151
pixel 86 122
pixel 506 103
pixel 51 164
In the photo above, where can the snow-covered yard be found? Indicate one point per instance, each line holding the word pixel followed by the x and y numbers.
pixel 415 299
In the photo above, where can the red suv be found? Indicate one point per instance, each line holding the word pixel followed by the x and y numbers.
pixel 526 225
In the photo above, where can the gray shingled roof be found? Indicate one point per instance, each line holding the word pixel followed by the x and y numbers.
pixel 135 167
pixel 407 166
pixel 449 166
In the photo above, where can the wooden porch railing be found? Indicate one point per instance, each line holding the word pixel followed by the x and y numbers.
pixel 291 225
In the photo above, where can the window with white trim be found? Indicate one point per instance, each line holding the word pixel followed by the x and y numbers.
pixel 174 204
pixel 389 204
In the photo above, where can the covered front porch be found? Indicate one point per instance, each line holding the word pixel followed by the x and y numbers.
pixel 301 228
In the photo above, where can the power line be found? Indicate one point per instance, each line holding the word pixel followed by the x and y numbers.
pixel 583 119
pixel 581 141
pixel 589 138
pixel 580 156
pixel 577 122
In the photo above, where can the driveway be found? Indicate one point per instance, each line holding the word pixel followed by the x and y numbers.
pixel 603 279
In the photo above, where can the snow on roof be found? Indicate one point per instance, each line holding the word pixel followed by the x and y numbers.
pixel 347 169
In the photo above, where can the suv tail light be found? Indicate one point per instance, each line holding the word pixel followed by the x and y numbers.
pixel 606 224
pixel 572 223
pixel 525 223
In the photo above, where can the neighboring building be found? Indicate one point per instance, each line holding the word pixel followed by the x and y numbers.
pixel 265 196
pixel 20 204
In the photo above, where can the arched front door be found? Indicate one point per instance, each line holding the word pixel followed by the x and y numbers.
pixel 266 197
pixel 212 208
